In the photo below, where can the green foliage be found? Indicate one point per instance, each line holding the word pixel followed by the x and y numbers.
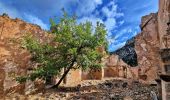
pixel 72 43
pixel 21 79
pixel 52 22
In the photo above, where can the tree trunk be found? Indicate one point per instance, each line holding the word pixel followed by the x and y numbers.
pixel 64 75
pixel 70 66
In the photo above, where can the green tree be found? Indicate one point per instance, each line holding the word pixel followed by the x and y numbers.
pixel 73 46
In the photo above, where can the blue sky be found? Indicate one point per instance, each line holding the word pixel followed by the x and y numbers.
pixel 121 17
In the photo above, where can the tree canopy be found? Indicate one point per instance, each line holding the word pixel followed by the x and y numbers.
pixel 74 45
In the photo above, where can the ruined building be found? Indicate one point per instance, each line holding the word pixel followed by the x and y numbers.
pixel 15 61
pixel 144 57
pixel 152 47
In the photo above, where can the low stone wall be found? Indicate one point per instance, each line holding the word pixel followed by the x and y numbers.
pixel 111 72
pixel 93 74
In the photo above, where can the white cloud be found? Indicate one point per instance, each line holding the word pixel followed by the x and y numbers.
pixel 35 20
pixel 120 36
pixel 86 7
pixel 87 10
pixel 111 40
pixel 121 22
pixel 123 32
pixel 114 47
pixel 113 12
pixel 14 13
pixel 98 1
pixel 110 24
pixel 110 11
pixel 92 19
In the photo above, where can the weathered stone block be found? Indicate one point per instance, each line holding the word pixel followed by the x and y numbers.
pixel 73 77
pixel 111 72
pixel 97 74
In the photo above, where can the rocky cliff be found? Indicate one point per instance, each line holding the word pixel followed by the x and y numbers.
pixel 127 53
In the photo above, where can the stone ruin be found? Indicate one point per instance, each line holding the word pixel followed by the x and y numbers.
pixel 15 61
pixel 112 67
pixel 150 48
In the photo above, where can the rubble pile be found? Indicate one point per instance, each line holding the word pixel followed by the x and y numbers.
pixel 109 89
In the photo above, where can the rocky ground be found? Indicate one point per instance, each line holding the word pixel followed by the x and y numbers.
pixel 108 89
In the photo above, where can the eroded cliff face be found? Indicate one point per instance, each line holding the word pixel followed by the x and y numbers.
pixel 14 60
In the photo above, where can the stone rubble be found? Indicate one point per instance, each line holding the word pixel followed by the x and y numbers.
pixel 108 89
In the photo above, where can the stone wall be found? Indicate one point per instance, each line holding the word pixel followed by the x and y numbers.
pixel 94 74
pixel 14 60
pixel 147 47
pixel 115 67
pixel 163 19
pixel 164 33
pixel 141 53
